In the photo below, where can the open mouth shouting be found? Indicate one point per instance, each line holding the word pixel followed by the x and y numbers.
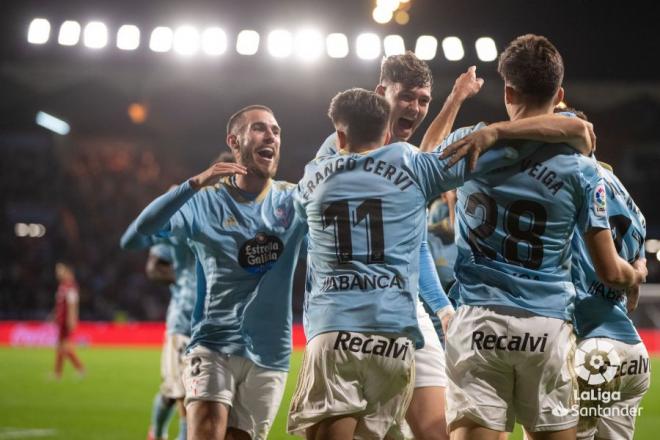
pixel 266 154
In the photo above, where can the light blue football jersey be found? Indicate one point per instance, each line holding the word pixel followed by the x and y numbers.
pixel 431 287
pixel 247 248
pixel 367 217
pixel 184 289
pixel 515 228
pixel 600 311
pixel 443 248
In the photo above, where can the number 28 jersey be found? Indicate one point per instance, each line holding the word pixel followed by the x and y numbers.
pixel 515 227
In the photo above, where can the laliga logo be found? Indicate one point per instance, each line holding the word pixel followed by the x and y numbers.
pixel 596 362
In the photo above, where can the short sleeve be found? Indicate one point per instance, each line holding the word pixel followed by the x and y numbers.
pixel 593 211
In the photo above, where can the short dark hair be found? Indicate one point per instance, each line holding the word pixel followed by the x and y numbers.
pixel 364 113
pixel 532 65
pixel 406 69
pixel 236 118
pixel 225 156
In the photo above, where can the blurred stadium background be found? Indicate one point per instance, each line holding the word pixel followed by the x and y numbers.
pixel 104 105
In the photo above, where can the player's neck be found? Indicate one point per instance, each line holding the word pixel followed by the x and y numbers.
pixel 523 112
pixel 251 183
pixel 362 148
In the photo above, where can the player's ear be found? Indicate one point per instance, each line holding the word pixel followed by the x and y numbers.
pixel 380 90
pixel 232 142
pixel 341 139
pixel 388 137
pixel 510 95
pixel 559 97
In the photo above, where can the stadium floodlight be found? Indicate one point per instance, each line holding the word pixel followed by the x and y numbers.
pixel 214 41
pixel 161 39
pixel 52 123
pixel 426 47
pixel 280 43
pixel 336 45
pixel 247 42
pixel 453 48
pixel 486 49
pixel 382 15
pixel 308 44
pixel 652 246
pixel 39 31
pixel 186 40
pixel 390 5
pixel 36 230
pixel 394 45
pixel 95 35
pixel 69 33
pixel 367 46
pixel 21 230
pixel 128 37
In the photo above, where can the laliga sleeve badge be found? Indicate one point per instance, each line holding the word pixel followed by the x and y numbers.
pixel 600 200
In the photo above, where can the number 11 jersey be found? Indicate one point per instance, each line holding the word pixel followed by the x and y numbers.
pixel 366 215
pixel 515 227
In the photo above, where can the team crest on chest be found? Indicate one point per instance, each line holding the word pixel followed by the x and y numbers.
pixel 259 254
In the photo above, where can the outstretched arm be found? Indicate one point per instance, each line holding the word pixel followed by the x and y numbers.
pixel 466 86
pixel 133 240
pixel 155 217
pixel 544 128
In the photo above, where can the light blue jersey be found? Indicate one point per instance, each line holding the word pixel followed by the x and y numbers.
pixel 442 245
pixel 600 311
pixel 247 248
pixel 431 290
pixel 515 228
pixel 184 289
pixel 367 216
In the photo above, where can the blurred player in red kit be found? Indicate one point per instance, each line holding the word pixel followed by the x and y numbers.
pixel 66 318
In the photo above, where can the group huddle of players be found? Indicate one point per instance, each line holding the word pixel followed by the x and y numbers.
pixel 549 247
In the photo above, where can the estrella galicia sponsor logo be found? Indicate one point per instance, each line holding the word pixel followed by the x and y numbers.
pixel 259 254
pixel 376 345
pixel 526 342
pixel 596 362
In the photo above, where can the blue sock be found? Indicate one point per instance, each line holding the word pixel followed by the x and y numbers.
pixel 161 414
pixel 183 429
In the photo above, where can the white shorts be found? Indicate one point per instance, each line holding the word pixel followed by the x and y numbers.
pixel 252 393
pixel 505 364
pixel 429 360
pixel 368 375
pixel 171 366
pixel 608 409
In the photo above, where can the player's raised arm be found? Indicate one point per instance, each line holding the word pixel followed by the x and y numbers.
pixel 466 86
pixel 575 132
pixel 155 217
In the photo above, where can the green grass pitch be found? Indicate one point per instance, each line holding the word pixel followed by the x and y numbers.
pixel 114 400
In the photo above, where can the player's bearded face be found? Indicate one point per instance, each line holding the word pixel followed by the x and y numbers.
pixel 409 108
pixel 260 144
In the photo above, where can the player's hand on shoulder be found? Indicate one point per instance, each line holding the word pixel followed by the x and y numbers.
pixel 214 172
pixel 467 84
pixel 472 146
